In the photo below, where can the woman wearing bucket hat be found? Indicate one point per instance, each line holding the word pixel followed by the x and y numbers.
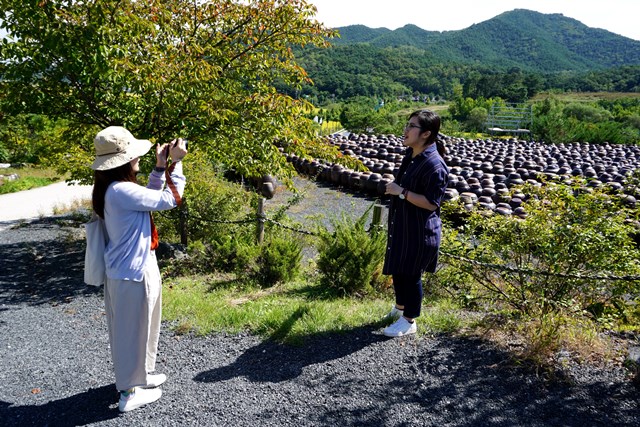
pixel 133 297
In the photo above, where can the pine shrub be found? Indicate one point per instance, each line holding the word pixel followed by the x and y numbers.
pixel 350 258
pixel 279 260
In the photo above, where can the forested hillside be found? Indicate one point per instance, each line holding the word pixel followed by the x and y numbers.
pixel 521 38
pixel 513 56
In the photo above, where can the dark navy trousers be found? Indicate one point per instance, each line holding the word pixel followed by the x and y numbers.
pixel 408 289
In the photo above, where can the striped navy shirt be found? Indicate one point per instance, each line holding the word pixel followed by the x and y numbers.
pixel 414 233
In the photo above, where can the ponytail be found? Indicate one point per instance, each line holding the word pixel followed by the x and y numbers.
pixel 442 150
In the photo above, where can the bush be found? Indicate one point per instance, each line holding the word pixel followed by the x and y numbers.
pixel 214 206
pixel 350 258
pixel 29 138
pixel 4 154
pixel 25 183
pixel 279 260
pixel 558 122
pixel 587 112
pixel 450 281
pixel 234 253
pixel 550 258
pixel 477 119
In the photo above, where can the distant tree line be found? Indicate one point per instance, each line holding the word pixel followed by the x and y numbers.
pixel 344 72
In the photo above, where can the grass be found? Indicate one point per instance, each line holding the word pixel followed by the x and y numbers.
pixel 552 342
pixel 288 313
pixel 28 178
pixel 76 207
pixel 292 312
pixel 329 127
pixel 438 108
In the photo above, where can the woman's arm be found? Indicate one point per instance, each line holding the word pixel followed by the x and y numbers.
pixel 156 178
pixel 419 200
pixel 131 196
pixel 176 149
pixel 414 198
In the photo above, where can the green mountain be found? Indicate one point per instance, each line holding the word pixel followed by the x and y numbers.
pixel 531 41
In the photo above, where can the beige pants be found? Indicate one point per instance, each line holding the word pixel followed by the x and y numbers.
pixel 134 311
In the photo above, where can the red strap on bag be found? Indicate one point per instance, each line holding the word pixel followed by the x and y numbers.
pixel 155 240
pixel 171 185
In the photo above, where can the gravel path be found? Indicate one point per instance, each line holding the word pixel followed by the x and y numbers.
pixel 56 369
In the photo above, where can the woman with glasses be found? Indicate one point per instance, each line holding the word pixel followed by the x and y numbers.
pixel 415 228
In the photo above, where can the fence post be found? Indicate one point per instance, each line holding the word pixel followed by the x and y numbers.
pixel 261 217
pixel 183 221
pixel 376 220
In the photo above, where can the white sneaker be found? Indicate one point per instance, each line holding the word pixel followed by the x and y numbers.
pixel 395 313
pixel 400 328
pixel 137 398
pixel 155 380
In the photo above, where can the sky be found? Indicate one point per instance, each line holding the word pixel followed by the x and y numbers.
pixel 621 17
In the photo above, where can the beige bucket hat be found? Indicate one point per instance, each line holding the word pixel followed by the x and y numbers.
pixel 116 146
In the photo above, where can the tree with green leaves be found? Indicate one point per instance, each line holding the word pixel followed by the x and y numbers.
pixel 203 70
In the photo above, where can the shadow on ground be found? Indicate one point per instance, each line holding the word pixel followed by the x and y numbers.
pixel 272 361
pixel 441 381
pixel 84 408
pixel 49 269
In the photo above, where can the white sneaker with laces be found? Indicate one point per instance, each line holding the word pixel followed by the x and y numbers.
pixel 395 313
pixel 155 380
pixel 400 328
pixel 137 398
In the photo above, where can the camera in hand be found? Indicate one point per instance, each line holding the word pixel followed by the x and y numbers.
pixel 168 147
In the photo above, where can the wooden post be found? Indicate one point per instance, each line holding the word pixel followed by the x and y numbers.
pixel 376 220
pixel 260 231
pixel 183 221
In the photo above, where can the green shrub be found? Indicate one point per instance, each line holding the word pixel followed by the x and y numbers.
pixel 350 258
pixel 550 259
pixel 26 183
pixel 4 153
pixel 558 122
pixel 450 281
pixel 279 260
pixel 234 253
pixel 29 138
pixel 587 112
pixel 215 207
pixel 477 119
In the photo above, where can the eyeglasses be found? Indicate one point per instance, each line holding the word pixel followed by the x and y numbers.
pixel 410 126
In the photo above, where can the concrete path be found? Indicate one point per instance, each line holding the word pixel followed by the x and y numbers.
pixel 41 202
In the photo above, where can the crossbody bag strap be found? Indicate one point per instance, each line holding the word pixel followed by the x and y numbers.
pixel 172 185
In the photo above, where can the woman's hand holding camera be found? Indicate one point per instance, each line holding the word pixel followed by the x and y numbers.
pixel 178 149
pixel 175 150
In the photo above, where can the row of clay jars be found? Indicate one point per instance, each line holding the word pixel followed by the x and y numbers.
pixel 369 182
pixel 489 150
pixel 492 194
pixel 605 162
pixel 382 173
pixel 529 171
pixel 374 184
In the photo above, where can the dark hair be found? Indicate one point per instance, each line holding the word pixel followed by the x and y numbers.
pixel 430 121
pixel 103 179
